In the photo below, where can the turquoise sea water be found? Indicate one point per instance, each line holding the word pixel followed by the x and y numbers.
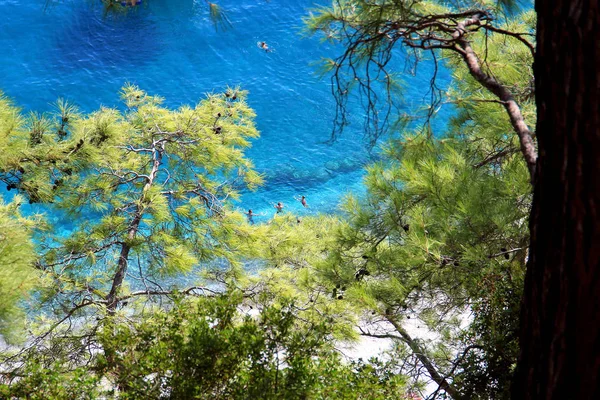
pixel 171 48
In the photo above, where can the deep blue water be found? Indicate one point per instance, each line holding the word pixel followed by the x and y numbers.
pixel 171 48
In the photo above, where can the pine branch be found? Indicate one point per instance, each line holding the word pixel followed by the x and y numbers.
pixel 495 87
pixel 420 353
pixel 188 291
pixel 516 35
pixel 369 45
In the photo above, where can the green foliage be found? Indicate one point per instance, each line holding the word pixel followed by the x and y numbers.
pixel 54 382
pixel 201 351
pixel 443 213
pixel 291 253
pixel 441 238
pixel 145 193
pixel 511 63
pixel 17 275
pixel 432 229
pixel 39 150
pixel 213 348
pixel 491 342
pixel 150 183
pixel 442 216
pixel 372 34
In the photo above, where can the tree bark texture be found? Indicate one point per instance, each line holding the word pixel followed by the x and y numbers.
pixel 560 317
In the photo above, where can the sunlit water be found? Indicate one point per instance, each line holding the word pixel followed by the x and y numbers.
pixel 170 48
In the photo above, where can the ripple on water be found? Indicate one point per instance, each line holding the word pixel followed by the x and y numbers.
pixel 94 42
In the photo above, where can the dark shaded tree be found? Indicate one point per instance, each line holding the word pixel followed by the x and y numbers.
pixel 560 330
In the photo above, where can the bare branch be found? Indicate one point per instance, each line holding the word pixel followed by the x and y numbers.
pixel 494 157
pixel 189 291
pixel 518 36
pixel 420 353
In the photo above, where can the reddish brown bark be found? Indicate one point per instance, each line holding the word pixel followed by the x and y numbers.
pixel 560 327
pixel 498 89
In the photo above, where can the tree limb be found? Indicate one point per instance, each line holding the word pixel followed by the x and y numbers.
pixel 420 353
pixel 510 104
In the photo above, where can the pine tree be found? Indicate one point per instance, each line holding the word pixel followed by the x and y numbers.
pixel 442 232
pixel 135 197
pixel 372 33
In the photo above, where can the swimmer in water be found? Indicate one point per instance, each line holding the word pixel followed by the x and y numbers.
pixel 279 207
pixel 251 216
pixel 264 46
pixel 302 200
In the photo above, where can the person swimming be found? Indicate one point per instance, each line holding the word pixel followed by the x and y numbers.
pixel 279 207
pixel 250 216
pixel 264 46
pixel 302 200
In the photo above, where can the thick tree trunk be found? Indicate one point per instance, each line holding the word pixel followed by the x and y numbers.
pixel 560 327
